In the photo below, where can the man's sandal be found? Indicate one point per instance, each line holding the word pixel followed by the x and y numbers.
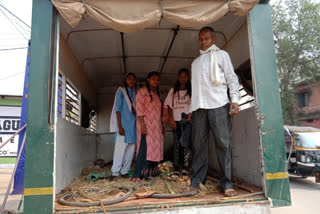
pixel 230 193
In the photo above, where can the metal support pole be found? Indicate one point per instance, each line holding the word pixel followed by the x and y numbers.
pixel 51 78
pixel 123 53
pixel 15 134
pixel 175 32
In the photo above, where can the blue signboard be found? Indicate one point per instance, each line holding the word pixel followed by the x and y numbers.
pixel 19 175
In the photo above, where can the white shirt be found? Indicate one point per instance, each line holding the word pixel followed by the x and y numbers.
pixel 205 95
pixel 180 103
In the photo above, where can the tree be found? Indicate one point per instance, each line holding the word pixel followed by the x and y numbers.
pixel 296 28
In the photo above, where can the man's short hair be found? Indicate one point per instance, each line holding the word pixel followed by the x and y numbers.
pixel 208 28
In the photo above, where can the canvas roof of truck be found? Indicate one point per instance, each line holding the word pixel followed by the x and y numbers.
pixel 153 30
pixel 102 54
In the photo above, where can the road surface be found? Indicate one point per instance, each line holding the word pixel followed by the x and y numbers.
pixel 13 200
pixel 305 196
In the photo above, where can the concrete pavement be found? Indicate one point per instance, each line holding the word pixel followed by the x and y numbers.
pixel 13 200
pixel 305 196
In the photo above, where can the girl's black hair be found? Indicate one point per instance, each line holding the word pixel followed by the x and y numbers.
pixel 176 87
pixel 126 87
pixel 151 74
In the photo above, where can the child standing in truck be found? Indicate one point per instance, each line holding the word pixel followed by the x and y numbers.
pixel 178 101
pixel 123 122
pixel 149 129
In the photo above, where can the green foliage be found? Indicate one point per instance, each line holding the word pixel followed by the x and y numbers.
pixel 296 28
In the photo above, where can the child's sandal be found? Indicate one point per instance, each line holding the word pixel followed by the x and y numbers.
pixel 185 174
pixel 175 174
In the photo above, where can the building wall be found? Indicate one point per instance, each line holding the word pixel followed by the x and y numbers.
pixel 310 114
pixel 315 123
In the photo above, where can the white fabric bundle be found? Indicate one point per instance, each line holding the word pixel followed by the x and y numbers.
pixel 215 77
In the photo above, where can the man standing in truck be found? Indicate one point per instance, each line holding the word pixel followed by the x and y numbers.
pixel 212 75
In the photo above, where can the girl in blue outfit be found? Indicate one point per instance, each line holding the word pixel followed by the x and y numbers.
pixel 123 122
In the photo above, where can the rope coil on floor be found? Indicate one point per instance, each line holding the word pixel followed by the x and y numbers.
pixel 63 200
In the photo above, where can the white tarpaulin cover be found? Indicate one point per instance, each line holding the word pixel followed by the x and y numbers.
pixel 134 15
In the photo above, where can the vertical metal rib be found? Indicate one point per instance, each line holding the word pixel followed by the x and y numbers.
pixel 175 32
pixel 123 53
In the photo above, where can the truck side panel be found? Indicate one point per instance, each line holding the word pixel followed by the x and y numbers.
pixel 269 105
pixel 38 183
